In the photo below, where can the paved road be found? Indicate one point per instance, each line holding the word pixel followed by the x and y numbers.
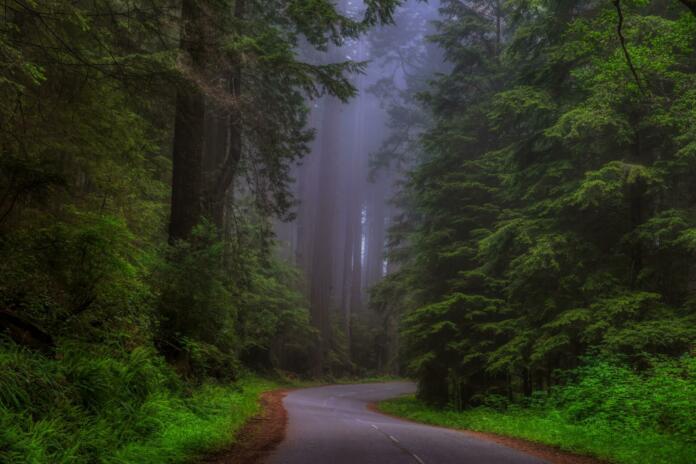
pixel 332 425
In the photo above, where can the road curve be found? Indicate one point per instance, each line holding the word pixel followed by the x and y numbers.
pixel 333 425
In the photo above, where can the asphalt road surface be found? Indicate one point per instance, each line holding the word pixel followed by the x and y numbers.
pixel 332 425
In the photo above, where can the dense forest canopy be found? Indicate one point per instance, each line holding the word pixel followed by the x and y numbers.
pixel 487 195
pixel 104 106
pixel 552 199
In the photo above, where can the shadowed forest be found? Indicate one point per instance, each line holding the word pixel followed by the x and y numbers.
pixel 203 200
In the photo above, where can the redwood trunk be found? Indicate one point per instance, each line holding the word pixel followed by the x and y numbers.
pixel 187 155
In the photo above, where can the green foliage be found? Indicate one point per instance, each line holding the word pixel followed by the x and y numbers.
pixel 95 404
pixel 550 213
pixel 87 102
pixel 196 303
pixel 608 410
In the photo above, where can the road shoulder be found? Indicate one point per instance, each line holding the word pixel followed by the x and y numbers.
pixel 259 436
pixel 548 453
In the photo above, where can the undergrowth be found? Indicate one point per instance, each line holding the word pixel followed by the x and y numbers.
pixel 608 411
pixel 93 406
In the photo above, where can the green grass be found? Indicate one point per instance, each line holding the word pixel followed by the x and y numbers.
pixel 91 407
pixel 188 428
pixel 597 437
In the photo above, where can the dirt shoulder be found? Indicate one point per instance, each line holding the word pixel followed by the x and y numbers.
pixel 259 436
pixel 548 453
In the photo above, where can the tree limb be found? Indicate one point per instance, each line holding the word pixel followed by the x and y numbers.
pixel 619 31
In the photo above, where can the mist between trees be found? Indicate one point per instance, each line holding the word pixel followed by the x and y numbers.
pixel 491 196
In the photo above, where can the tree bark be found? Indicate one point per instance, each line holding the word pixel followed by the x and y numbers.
pixel 187 156
pixel 225 167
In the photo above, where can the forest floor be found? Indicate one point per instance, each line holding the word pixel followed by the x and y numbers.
pixel 548 435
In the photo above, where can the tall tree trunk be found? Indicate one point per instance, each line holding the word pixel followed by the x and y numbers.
pixel 226 160
pixel 187 156
pixel 355 178
pixel 308 193
pixel 322 259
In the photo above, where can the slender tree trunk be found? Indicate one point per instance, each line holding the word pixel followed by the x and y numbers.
pixel 356 279
pixel 347 270
pixel 375 242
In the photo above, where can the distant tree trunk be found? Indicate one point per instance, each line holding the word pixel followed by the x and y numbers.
pixel 348 246
pixel 308 192
pixel 322 259
pixel 342 239
pixel 187 156
pixel 356 279
pixel 375 241
pixel 355 178
pixel 498 28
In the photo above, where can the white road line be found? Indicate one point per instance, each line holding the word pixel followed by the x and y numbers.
pixel 399 445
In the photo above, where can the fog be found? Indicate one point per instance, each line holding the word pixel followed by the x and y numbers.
pixel 345 185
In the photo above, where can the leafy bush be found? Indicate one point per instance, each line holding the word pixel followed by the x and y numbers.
pixel 608 410
pixel 224 305
pixel 662 399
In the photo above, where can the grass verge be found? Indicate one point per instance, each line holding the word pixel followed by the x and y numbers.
pixel 594 438
pixel 205 422
pixel 87 407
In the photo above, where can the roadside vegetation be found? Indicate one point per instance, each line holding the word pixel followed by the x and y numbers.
pixel 607 410
pixel 546 284
pixel 141 291
pixel 129 407
pixel 545 181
